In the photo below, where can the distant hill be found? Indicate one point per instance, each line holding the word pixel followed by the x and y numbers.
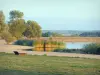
pixel 64 32
pixel 75 32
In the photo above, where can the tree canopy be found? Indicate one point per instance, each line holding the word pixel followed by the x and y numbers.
pixel 2 21
pixel 33 29
pixel 15 14
pixel 17 27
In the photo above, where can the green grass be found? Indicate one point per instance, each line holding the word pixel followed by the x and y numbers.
pixel 11 64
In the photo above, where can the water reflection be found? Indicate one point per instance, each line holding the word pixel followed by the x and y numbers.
pixel 48 49
pixel 69 45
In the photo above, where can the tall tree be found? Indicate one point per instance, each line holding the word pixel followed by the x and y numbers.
pixel 16 24
pixel 33 29
pixel 2 22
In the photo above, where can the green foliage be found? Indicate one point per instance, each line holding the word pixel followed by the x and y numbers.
pixel 34 43
pixel 92 48
pixel 24 42
pixel 2 17
pixel 33 29
pixel 10 39
pixel 47 34
pixel 16 23
pixel 15 14
pixel 17 27
pixel 2 22
pixel 51 34
pixel 47 65
pixel 7 37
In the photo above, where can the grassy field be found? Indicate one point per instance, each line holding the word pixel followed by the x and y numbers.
pixel 11 64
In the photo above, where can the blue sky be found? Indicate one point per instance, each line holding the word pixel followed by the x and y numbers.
pixel 57 14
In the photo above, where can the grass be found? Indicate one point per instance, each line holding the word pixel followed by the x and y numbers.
pixel 11 64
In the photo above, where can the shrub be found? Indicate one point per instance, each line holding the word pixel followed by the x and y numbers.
pixel 9 40
pixel 7 37
pixel 92 48
pixel 24 42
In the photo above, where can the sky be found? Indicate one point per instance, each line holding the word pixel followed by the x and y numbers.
pixel 57 14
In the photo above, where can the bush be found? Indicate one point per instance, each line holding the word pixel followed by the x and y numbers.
pixel 92 48
pixel 24 42
pixel 7 37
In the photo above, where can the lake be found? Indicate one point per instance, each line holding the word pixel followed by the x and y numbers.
pixel 76 45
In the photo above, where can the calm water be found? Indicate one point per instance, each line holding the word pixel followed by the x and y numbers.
pixel 76 45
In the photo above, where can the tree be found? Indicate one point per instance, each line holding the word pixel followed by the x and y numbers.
pixel 47 34
pixel 16 24
pixel 15 14
pixel 17 27
pixel 2 22
pixel 33 29
pixel 7 37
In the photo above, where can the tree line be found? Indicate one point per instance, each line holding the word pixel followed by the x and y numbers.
pixel 90 34
pixel 52 34
pixel 17 27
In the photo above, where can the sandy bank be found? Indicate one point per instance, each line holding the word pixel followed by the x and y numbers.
pixel 11 48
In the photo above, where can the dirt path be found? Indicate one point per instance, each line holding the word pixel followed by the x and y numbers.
pixel 11 48
pixel 66 54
